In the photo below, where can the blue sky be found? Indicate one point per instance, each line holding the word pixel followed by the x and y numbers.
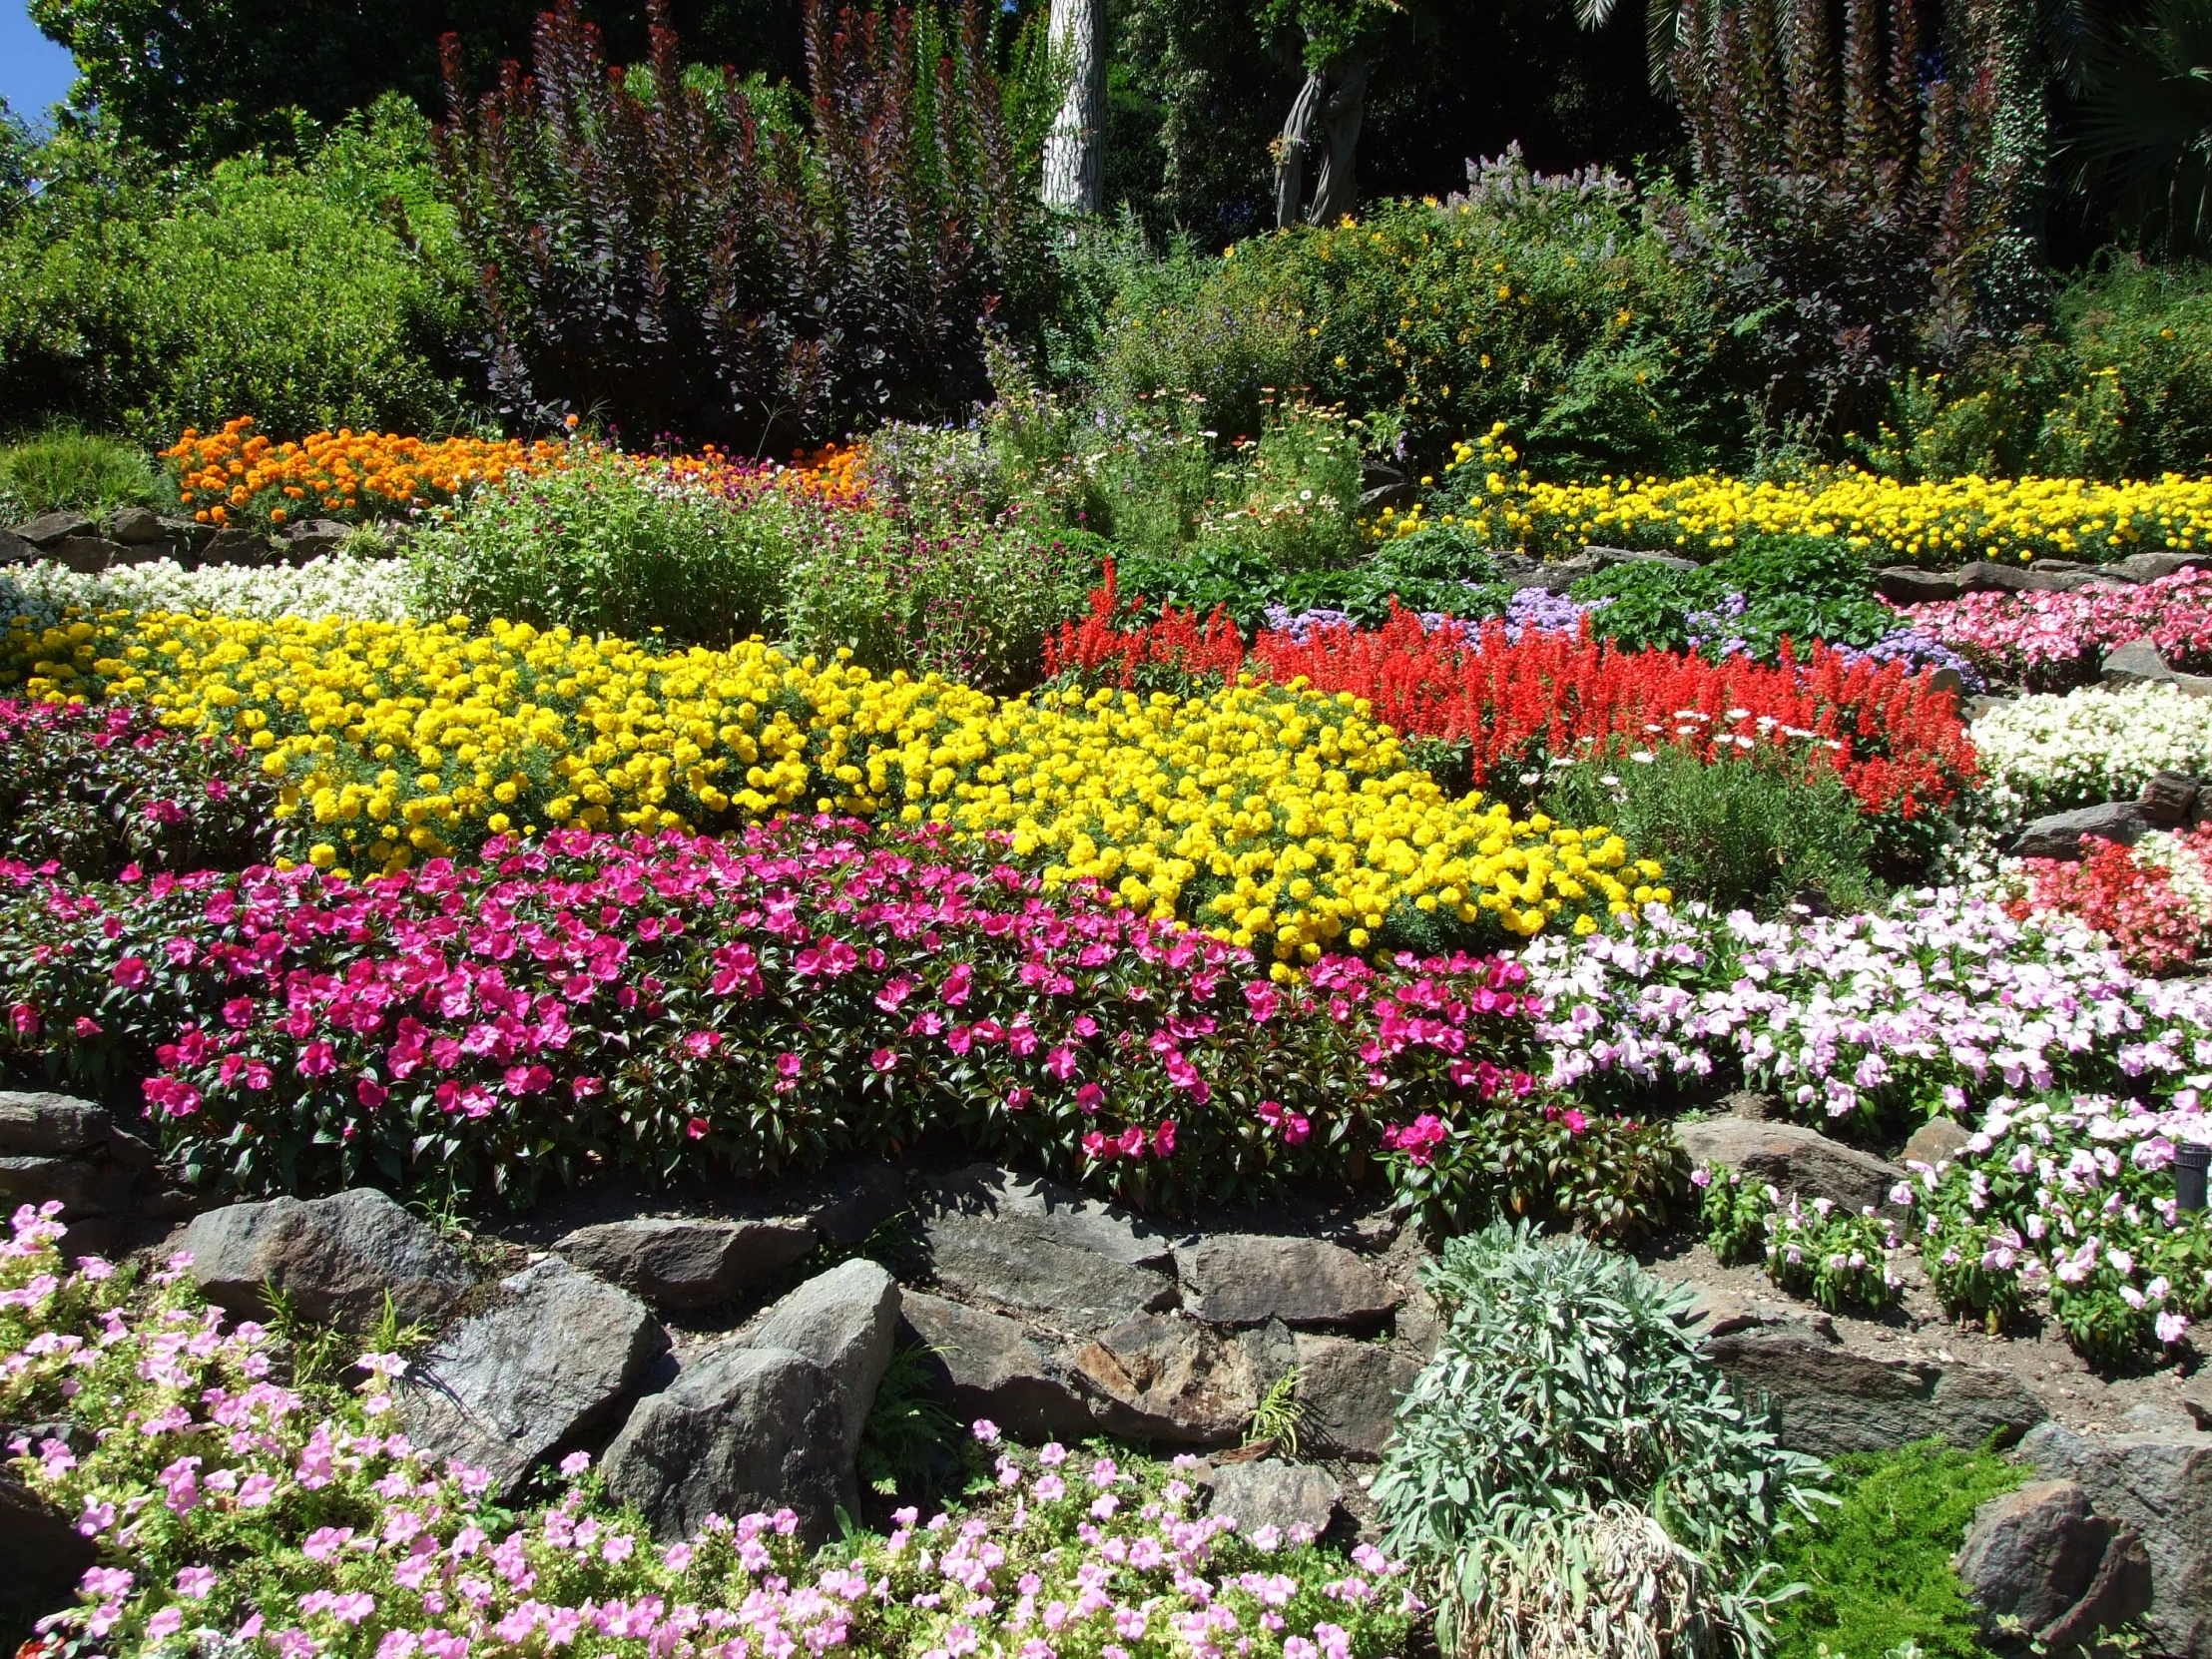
pixel 34 72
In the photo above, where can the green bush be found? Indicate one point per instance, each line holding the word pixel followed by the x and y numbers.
pixel 1755 834
pixel 80 471
pixel 1441 569
pixel 1542 302
pixel 603 548
pixel 2120 386
pixel 1566 1401
pixel 1876 1568
pixel 315 296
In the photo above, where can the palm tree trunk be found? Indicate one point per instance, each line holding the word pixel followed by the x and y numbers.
pixel 1075 149
pixel 1333 97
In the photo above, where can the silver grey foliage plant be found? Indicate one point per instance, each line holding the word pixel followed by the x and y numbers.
pixel 1578 1478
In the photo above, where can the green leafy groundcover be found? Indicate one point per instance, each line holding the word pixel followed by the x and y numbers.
pixel 1877 1569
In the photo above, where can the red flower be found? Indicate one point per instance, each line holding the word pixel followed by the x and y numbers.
pixel 129 972
pixel 696 1128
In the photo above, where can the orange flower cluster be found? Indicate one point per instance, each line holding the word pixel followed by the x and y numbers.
pixel 833 476
pixel 238 472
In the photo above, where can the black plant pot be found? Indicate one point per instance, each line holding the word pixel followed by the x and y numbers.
pixel 2190 1160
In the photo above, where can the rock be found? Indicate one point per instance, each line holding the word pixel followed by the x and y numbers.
pixel 46 1553
pixel 988 1366
pixel 1794 1159
pixel 2196 1399
pixel 1985 577
pixel 743 1429
pixel 14 550
pixel 1935 1143
pixel 1161 1376
pixel 507 1387
pixel 1249 1279
pixel 333 1259
pixel 2040 1556
pixel 1720 1312
pixel 1397 496
pixel 2170 799
pixel 1348 1394
pixel 83 1186
pixel 1292 1499
pixel 1607 557
pixel 2151 567
pixel 685 1264
pixel 136 526
pixel 2060 835
pixel 1909 585
pixel 235 547
pixel 844 1321
pixel 193 534
pixel 1832 1401
pixel 1034 1247
pixel 89 555
pixel 51 1125
pixel 849 1204
pixel 49 529
pixel 1755 1104
pixel 315 538
pixel 2136 662
pixel 2160 1485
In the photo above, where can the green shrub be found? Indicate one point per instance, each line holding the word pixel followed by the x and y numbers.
pixel 602 548
pixel 2119 386
pixel 1441 569
pixel 1542 302
pixel 1567 1396
pixel 315 296
pixel 63 467
pixel 1876 1568
pixel 1755 834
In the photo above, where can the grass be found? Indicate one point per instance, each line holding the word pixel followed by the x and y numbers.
pixel 63 469
pixel 1876 1568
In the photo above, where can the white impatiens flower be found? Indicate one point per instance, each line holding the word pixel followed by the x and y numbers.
pixel 2047 753
pixel 375 590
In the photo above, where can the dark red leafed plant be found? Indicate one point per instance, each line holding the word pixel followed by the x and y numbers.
pixel 649 251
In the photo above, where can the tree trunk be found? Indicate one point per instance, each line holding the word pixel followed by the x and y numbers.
pixel 1075 149
pixel 1333 96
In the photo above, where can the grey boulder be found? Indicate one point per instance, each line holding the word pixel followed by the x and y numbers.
pixel 684 1264
pixel 2151 567
pixel 1249 1279
pixel 1910 584
pixel 1347 1392
pixel 845 1321
pixel 989 1365
pixel 1937 1142
pixel 549 1361
pixel 1832 1401
pixel 2045 1568
pixel 2161 1486
pixel 334 1260
pixel 1794 1159
pixel 2136 662
pixel 1295 1500
pixel 1983 576
pixel 742 1430
pixel 1033 1247
pixel 48 529
pixel 46 1553
pixel 2060 835
pixel 136 526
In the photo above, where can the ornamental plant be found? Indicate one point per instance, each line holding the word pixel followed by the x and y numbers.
pixel 2156 919
pixel 1817 1251
pixel 1521 705
pixel 42 594
pixel 390 742
pixel 98 790
pixel 2072 1199
pixel 278 1519
pixel 680 1004
pixel 2053 641
pixel 2047 754
pixel 1942 1003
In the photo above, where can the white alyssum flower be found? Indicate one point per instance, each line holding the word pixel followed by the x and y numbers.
pixel 2047 754
pixel 379 590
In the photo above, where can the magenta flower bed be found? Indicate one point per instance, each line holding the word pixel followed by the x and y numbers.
pixel 2049 640
pixel 684 1004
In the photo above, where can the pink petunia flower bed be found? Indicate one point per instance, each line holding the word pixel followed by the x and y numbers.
pixel 2050 641
pixel 681 1005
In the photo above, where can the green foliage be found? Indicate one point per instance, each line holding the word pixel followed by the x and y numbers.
pixel 1276 1421
pixel 63 467
pixel 2120 386
pixel 1441 569
pixel 313 296
pixel 1567 1383
pixel 1543 302
pixel 1876 1568
pixel 1758 833
pixel 909 1442
pixel 1766 590
pixel 602 548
